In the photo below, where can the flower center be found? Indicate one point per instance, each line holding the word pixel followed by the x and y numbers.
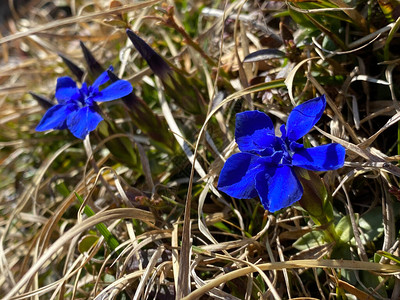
pixel 287 153
pixel 85 98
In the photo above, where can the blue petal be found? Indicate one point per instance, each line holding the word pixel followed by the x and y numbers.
pixel 294 147
pixel 304 116
pixel 254 131
pixel 81 122
pixel 55 117
pixel 102 79
pixel 283 131
pixel 237 177
pixel 321 158
pixel 84 90
pixel 114 91
pixel 66 89
pixel 280 190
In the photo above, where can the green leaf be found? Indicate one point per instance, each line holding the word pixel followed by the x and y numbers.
pixel 343 251
pixel 371 225
pixel 390 256
pixel 87 242
pixel 310 240
pixel 344 229
pixel 62 189
pixel 300 19
pixel 222 227
pixel 108 278
pixel 371 281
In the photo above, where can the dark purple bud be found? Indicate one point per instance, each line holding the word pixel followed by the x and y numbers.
pixel 315 200
pixel 94 67
pixel 157 64
pixel 43 101
pixel 78 72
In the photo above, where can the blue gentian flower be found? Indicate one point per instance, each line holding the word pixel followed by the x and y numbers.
pixel 77 109
pixel 266 164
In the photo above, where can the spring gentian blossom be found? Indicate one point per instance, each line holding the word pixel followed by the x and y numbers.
pixel 77 109
pixel 265 166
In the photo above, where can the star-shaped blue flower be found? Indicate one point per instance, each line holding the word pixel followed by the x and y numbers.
pixel 265 166
pixel 76 108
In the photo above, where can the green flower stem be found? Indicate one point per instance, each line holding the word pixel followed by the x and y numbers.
pixel 398 139
pixel 110 239
pixel 391 35
pixel 316 201
pixel 331 235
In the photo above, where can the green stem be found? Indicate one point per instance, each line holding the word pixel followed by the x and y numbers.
pixel 392 32
pixel 110 239
pixel 330 233
pixel 398 139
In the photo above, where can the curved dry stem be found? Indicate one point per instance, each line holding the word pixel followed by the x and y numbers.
pixel 118 213
pixel 337 264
